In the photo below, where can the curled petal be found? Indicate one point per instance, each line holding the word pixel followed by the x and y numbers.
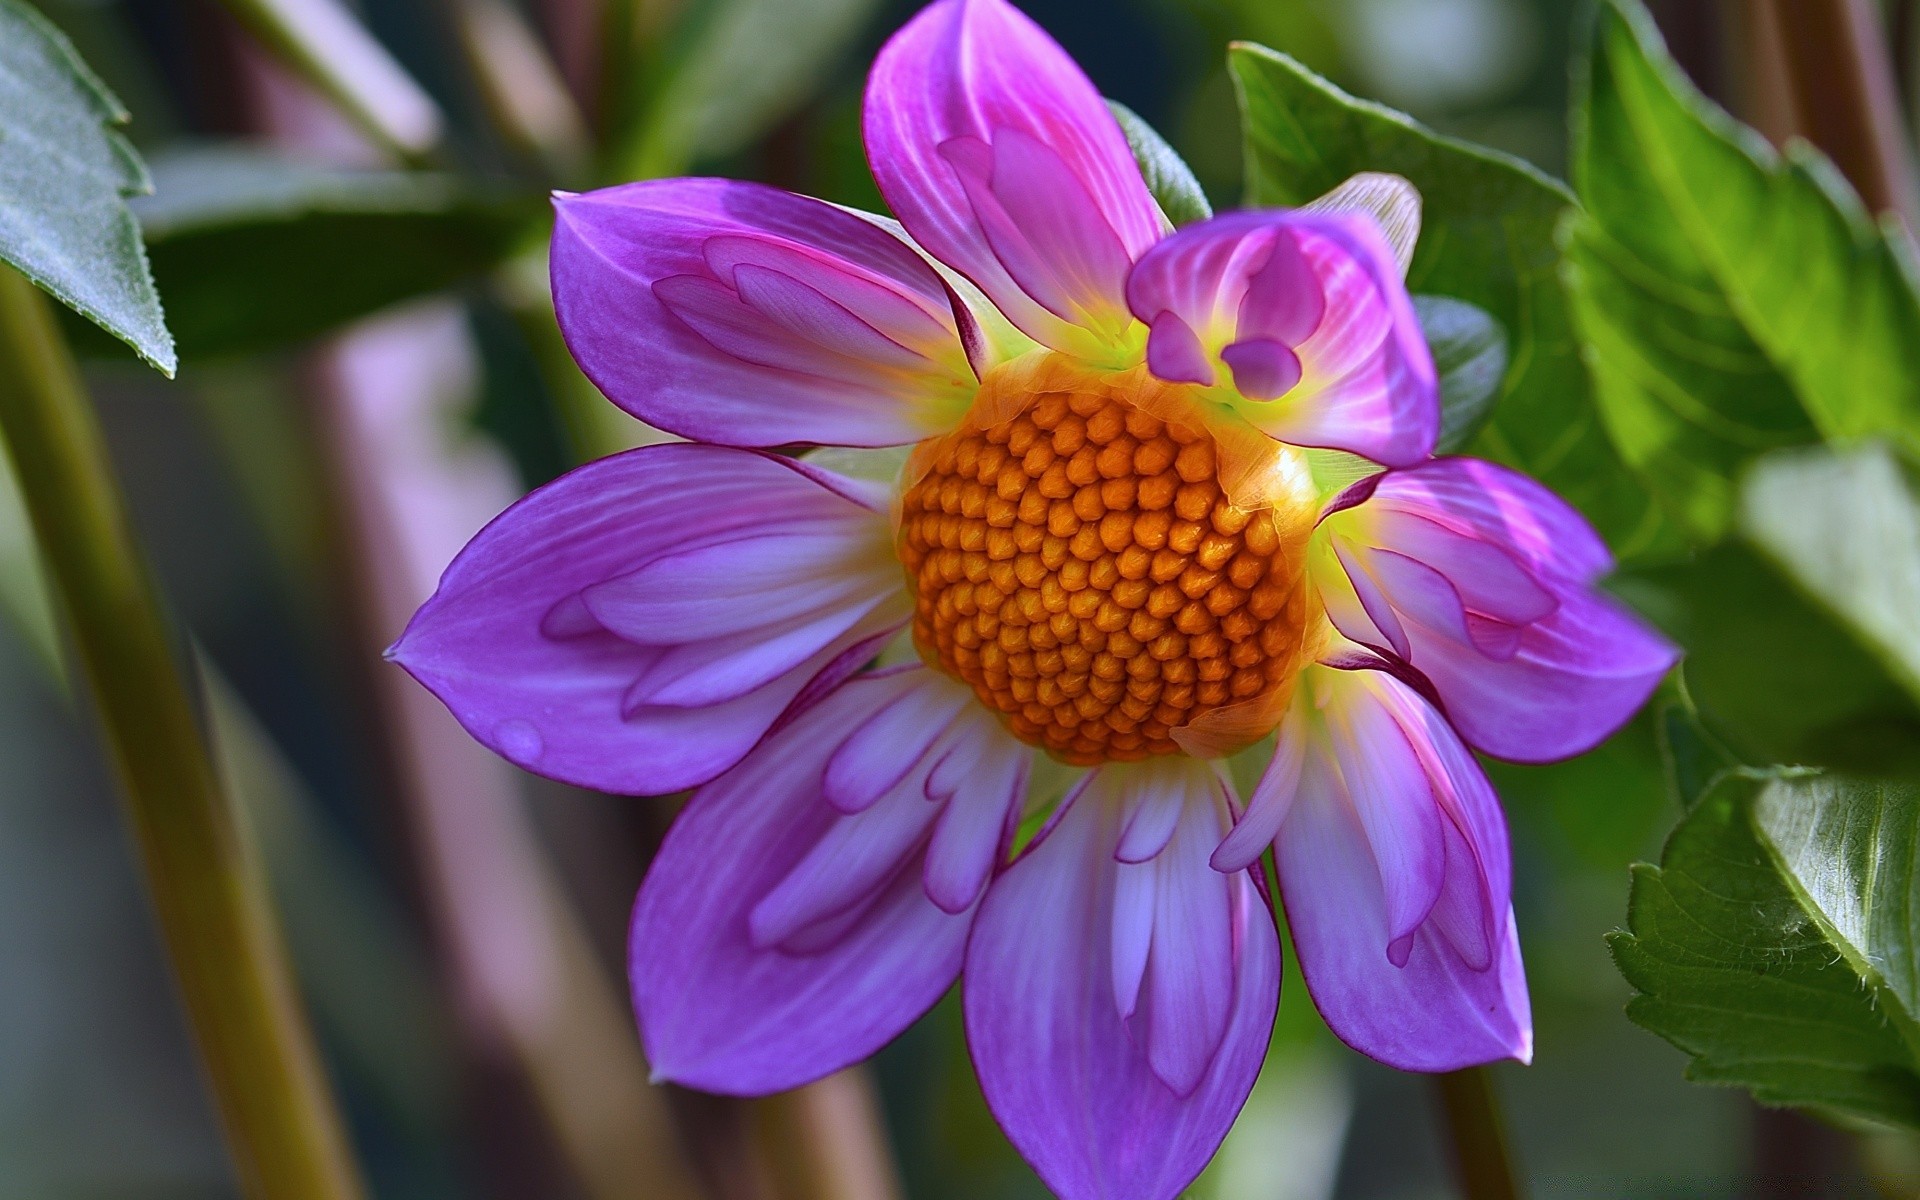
pixel 1002 160
pixel 566 638
pixel 725 1010
pixel 1454 994
pixel 1118 1013
pixel 1306 314
pixel 740 314
pixel 1481 581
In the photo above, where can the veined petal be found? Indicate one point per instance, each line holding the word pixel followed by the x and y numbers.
pixel 1081 1088
pixel 1500 506
pixel 1306 314
pixel 722 1011
pixel 1002 160
pixel 736 313
pixel 1481 581
pixel 1457 996
pixel 511 647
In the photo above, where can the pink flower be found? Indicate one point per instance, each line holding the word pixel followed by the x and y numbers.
pixel 1127 542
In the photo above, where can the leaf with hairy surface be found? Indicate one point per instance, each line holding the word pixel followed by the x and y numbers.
pixel 65 174
pixel 1775 943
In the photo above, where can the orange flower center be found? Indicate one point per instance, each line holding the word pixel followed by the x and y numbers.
pixel 1081 567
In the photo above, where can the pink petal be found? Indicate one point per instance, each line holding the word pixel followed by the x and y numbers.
pixel 1073 1083
pixel 1456 997
pixel 510 647
pixel 721 1013
pixel 1000 158
pixel 735 313
pixel 1309 312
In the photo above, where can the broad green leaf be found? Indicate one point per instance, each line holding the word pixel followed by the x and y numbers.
pixel 1845 526
pixel 1733 302
pixel 1775 943
pixel 1488 239
pixel 64 178
pixel 1775 253
pixel 729 69
pixel 1802 640
pixel 254 250
pixel 1168 176
pixel 1470 353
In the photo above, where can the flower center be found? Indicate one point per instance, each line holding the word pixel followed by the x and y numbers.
pixel 1081 567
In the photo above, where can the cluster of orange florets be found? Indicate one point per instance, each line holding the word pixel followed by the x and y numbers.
pixel 1080 567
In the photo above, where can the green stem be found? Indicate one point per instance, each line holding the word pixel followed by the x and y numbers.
pixel 1479 1142
pixel 286 1137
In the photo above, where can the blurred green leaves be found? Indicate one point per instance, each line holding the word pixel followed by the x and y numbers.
pixel 1734 300
pixel 325 246
pixel 724 71
pixel 1488 238
pixel 1755 344
pixel 1774 942
pixel 1802 630
pixel 65 174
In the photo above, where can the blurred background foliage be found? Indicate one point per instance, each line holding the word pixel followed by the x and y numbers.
pixel 457 928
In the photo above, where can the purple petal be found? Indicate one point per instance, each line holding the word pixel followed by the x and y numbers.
pixel 1070 1079
pixel 1309 311
pixel 1488 577
pixel 1387 790
pixel 880 752
pixel 1000 158
pixel 1272 796
pixel 510 647
pixel 719 1012
pixel 1458 996
pixel 735 313
pixel 1501 506
pixel 1263 369
pixel 1174 352
pixel 1373 602
pixel 985 781
pixel 1570 682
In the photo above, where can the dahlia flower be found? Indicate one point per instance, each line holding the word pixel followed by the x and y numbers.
pixel 964 709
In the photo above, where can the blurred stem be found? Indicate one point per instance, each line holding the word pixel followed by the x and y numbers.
pixel 1477 1134
pixel 1845 97
pixel 328 47
pixel 286 1138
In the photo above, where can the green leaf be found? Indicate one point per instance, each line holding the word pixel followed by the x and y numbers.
pixel 730 69
pixel 1775 943
pixel 1470 353
pixel 1824 292
pixel 254 250
pixel 1733 301
pixel 1168 176
pixel 1489 239
pixel 1803 631
pixel 64 177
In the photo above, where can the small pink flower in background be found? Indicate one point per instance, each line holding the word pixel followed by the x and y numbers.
pixel 1127 542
